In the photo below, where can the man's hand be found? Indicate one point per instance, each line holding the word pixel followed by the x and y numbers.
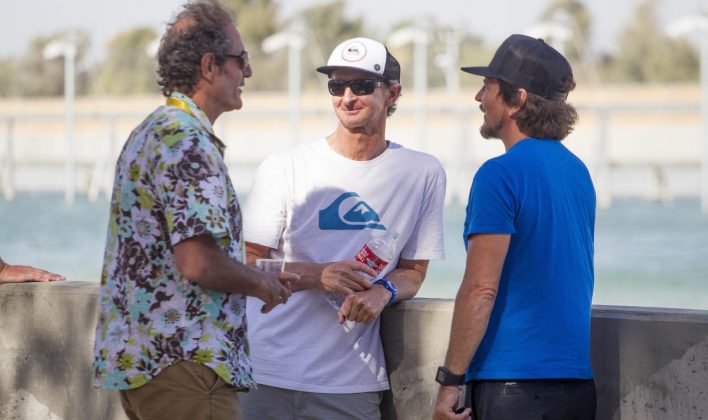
pixel 446 404
pixel 364 306
pixel 275 289
pixel 343 277
pixel 21 273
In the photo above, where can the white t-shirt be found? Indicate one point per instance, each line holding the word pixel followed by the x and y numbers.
pixel 313 205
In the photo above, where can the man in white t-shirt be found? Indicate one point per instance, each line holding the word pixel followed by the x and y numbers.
pixel 315 207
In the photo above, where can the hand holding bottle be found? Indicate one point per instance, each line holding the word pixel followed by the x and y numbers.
pixel 375 255
pixel 343 277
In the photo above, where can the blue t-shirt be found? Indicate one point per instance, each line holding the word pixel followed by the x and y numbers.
pixel 541 194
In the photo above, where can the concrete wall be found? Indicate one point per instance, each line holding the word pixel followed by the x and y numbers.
pixel 46 351
pixel 649 363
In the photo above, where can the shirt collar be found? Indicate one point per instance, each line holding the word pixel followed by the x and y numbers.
pixel 194 110
pixel 197 113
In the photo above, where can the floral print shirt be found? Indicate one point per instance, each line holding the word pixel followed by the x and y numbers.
pixel 171 184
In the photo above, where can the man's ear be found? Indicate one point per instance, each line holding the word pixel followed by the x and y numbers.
pixel 208 66
pixel 523 96
pixel 394 93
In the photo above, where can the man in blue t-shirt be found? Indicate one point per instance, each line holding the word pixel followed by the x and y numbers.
pixel 520 335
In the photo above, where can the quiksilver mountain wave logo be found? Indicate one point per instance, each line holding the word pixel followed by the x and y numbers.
pixel 348 212
pixel 354 51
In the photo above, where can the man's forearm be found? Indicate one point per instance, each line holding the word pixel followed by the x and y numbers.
pixel 310 274
pixel 408 276
pixel 469 324
pixel 407 282
pixel 229 276
pixel 200 260
pixel 475 299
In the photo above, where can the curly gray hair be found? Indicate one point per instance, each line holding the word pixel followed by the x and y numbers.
pixel 198 29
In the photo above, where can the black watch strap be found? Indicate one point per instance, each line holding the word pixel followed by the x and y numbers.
pixel 447 378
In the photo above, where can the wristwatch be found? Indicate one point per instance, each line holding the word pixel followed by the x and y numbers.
pixel 390 287
pixel 447 378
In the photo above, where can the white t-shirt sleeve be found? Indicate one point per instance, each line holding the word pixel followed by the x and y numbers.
pixel 426 240
pixel 265 209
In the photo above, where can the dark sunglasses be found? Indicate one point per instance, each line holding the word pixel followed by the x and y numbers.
pixel 241 59
pixel 359 87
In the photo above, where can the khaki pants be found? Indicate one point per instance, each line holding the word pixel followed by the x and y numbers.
pixel 183 391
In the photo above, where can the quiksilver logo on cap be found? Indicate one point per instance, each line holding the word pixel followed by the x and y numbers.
pixel 354 52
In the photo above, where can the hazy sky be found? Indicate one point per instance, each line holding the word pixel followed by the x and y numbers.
pixel 492 20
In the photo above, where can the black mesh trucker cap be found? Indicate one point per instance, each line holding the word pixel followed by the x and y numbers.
pixel 528 63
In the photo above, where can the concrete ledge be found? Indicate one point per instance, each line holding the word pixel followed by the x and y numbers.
pixel 650 363
pixel 46 351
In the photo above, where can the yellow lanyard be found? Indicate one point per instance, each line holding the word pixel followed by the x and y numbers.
pixel 181 105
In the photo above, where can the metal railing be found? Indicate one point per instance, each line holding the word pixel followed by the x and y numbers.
pixel 452 135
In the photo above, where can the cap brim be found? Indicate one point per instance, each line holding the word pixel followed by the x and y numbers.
pixel 480 71
pixel 328 70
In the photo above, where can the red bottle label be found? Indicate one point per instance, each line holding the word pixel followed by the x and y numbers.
pixel 367 256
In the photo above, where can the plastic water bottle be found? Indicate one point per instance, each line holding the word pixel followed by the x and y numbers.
pixel 376 253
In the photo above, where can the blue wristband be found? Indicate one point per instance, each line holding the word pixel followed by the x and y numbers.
pixel 390 287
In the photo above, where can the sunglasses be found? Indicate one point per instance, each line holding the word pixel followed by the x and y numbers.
pixel 359 87
pixel 241 59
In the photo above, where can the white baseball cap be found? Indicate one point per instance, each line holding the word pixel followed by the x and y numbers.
pixel 363 54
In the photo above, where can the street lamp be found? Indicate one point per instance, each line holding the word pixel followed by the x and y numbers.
pixel 67 49
pixel 294 42
pixel 449 61
pixel 684 26
pixel 420 76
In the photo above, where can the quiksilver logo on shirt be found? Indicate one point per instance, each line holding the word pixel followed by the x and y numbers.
pixel 349 212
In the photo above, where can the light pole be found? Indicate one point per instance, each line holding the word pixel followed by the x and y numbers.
pixel 294 41
pixel 419 37
pixel 67 49
pixel 449 61
pixel 684 26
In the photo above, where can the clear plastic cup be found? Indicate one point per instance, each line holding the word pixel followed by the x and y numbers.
pixel 270 265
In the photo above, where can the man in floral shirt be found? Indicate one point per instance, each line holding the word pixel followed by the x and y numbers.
pixel 171 334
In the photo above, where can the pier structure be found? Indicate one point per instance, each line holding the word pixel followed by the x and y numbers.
pixel 638 141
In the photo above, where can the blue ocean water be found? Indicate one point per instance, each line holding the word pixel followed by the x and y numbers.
pixel 646 253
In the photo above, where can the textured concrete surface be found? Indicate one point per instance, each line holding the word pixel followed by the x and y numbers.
pixel 649 363
pixel 46 347
pixel 415 335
